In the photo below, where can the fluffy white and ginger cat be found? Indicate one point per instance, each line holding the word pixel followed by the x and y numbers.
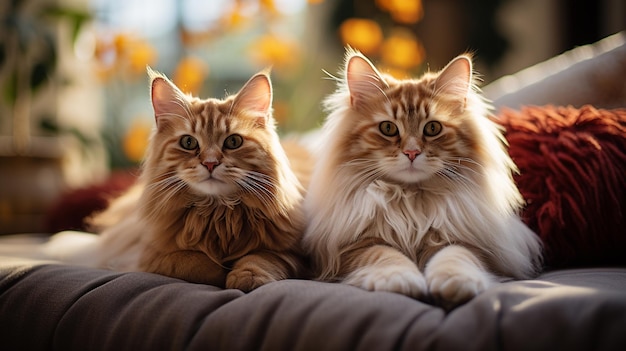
pixel 413 190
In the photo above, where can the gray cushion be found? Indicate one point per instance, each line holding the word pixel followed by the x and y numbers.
pixel 53 306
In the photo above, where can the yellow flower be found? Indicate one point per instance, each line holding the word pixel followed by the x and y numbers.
pixel 190 74
pixel 402 50
pixel 135 141
pixel 273 50
pixel 362 34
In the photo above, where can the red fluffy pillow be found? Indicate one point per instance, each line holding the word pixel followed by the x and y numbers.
pixel 72 209
pixel 572 166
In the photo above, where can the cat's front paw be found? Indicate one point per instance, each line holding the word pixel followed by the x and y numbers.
pixel 396 279
pixel 451 289
pixel 455 275
pixel 247 279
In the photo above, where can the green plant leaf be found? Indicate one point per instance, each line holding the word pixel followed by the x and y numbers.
pixel 77 18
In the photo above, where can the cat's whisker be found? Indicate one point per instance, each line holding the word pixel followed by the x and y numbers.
pixel 456 179
pixel 166 175
pixel 368 170
pixel 166 194
pixel 253 176
pixel 261 177
pixel 167 187
pixel 456 170
pixel 458 166
pixel 151 205
pixel 330 76
pixel 446 176
pixel 256 189
pixel 360 162
pixel 260 194
pixel 468 160
pixel 369 176
pixel 163 183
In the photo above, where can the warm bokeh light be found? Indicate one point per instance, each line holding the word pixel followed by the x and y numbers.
pixel 190 74
pixel 397 73
pixel 121 42
pixel 402 50
pixel 403 11
pixel 123 53
pixel 269 5
pixel 140 55
pixel 261 33
pixel 136 140
pixel 281 111
pixel 274 50
pixel 235 18
pixel 362 34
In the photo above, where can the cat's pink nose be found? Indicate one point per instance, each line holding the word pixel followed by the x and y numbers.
pixel 412 154
pixel 210 165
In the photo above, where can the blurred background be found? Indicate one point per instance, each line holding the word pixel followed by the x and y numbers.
pixel 74 102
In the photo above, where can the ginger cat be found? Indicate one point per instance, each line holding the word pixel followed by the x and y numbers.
pixel 413 191
pixel 216 202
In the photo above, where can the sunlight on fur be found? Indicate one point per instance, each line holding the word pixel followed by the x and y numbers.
pixel 216 202
pixel 415 171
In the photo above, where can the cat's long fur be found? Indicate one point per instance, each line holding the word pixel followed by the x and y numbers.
pixel 240 231
pixel 362 218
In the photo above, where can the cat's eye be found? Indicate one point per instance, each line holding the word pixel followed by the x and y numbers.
pixel 432 128
pixel 233 142
pixel 388 128
pixel 188 142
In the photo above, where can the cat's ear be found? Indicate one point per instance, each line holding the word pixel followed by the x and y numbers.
pixel 456 79
pixel 364 81
pixel 255 97
pixel 167 99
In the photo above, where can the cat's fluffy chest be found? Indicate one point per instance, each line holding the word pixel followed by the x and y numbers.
pixel 230 230
pixel 399 213
pixel 393 208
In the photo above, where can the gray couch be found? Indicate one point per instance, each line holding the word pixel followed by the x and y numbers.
pixel 70 308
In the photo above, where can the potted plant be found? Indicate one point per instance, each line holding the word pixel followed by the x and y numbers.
pixel 30 155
